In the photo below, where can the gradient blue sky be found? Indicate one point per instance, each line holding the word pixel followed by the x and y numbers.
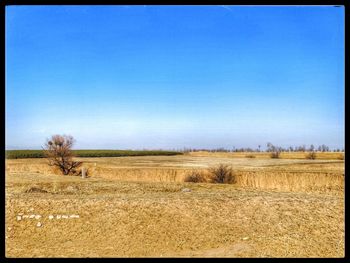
pixel 133 77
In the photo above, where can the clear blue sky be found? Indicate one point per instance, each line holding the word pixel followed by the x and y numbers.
pixel 133 77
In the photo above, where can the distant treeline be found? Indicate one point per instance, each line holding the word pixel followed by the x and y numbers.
pixel 19 154
pixel 270 148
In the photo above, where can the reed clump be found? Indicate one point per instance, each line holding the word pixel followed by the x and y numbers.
pixel 195 176
pixel 275 155
pixel 311 156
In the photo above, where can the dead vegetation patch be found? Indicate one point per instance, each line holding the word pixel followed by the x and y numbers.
pixel 220 174
pixel 196 176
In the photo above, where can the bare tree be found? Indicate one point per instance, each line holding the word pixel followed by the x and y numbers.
pixel 274 151
pixel 324 148
pixel 270 147
pixel 58 152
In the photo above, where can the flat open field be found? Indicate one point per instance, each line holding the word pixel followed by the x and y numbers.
pixel 141 207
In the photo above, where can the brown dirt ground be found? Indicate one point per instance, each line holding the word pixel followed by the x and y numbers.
pixel 158 219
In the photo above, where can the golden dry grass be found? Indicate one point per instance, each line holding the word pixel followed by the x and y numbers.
pixel 133 207
pixel 261 173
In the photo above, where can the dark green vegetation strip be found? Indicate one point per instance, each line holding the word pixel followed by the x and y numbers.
pixel 19 154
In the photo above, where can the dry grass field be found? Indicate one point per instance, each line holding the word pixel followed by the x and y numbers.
pixel 141 207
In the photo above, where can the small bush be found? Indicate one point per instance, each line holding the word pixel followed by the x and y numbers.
pixel 275 155
pixel 341 157
pixel 311 156
pixel 222 174
pixel 250 156
pixel 195 177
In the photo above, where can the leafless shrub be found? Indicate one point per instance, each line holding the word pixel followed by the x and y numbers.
pixel 195 176
pixel 311 156
pixel 59 154
pixel 222 174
